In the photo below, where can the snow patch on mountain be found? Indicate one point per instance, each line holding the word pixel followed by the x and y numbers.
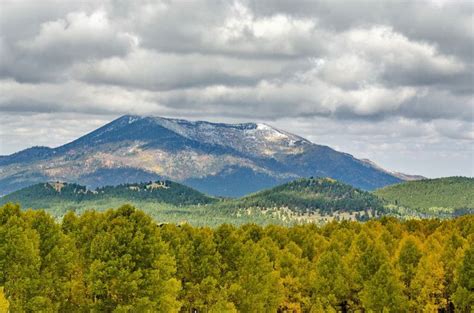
pixel 249 138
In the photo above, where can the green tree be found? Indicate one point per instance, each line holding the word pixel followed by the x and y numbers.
pixel 131 266
pixel 332 283
pixel 20 265
pixel 256 286
pixel 197 259
pixel 367 256
pixel 384 292
pixel 60 270
pixel 464 295
pixel 210 297
pixel 408 258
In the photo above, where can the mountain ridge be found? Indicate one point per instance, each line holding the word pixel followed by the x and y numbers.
pixel 216 158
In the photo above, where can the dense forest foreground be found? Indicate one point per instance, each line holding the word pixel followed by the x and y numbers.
pixel 123 261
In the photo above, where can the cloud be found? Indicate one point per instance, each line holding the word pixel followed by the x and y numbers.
pixel 78 36
pixel 166 71
pixel 363 63
pixel 44 129
pixel 60 44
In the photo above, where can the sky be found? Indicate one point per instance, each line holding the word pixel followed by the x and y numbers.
pixel 391 81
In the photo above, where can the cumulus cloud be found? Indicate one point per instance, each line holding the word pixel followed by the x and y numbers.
pixel 406 67
pixel 59 44
pixel 78 36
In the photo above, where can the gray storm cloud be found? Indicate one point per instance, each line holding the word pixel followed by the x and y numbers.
pixel 404 66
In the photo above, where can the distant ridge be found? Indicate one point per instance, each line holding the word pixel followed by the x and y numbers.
pixel 215 158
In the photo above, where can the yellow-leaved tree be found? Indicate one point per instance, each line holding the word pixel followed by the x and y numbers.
pixel 4 305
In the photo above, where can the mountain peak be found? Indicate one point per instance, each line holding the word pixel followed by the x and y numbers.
pixel 257 139
pixel 217 158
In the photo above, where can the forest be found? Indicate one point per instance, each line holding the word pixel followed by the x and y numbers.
pixel 447 192
pixel 121 260
pixel 307 194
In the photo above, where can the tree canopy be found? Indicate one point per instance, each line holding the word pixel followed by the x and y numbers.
pixel 121 260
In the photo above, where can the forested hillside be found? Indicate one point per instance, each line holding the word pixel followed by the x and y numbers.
pixel 159 191
pixel 122 261
pixel 306 200
pixel 316 200
pixel 324 194
pixel 449 193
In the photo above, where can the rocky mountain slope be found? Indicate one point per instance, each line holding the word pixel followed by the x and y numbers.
pixel 219 159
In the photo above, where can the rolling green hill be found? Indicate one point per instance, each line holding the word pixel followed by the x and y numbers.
pixel 324 196
pixel 303 200
pixel 450 193
pixel 42 195
pixel 316 200
pixel 165 201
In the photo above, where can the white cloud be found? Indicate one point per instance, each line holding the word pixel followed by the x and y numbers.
pixel 80 36
pixel 164 71
pixel 394 71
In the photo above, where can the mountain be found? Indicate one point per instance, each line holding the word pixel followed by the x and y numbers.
pixel 402 176
pixel 449 193
pixel 215 158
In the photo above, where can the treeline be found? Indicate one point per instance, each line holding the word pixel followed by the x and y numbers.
pixel 122 261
